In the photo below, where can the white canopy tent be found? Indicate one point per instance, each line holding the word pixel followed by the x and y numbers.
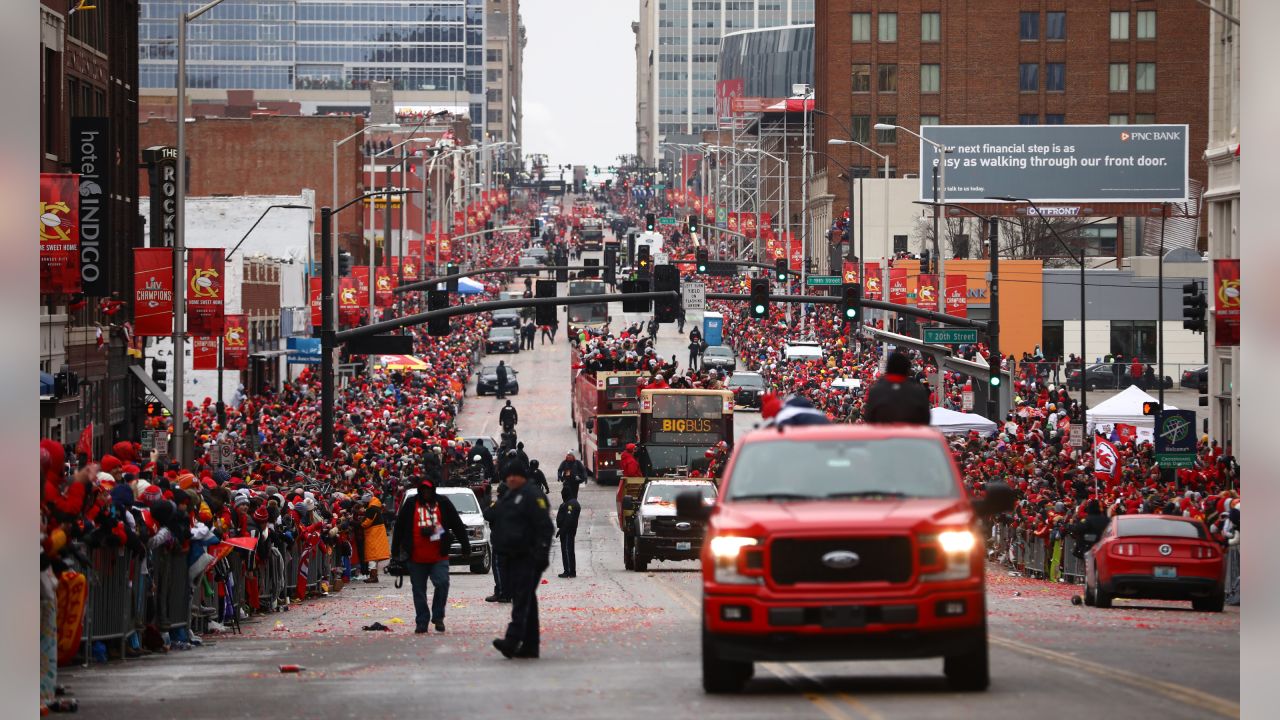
pixel 950 422
pixel 1126 408
pixel 467 286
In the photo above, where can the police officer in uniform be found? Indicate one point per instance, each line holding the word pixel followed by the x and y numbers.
pixel 522 532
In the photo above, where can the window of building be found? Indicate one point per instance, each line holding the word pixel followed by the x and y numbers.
pixel 1028 119
pixel 1118 119
pixel 890 136
pixel 1130 338
pixel 493 75
pixel 1055 77
pixel 861 78
pixel 493 55
pixel 1145 78
pixel 862 27
pixel 1120 25
pixel 1144 118
pixel 899 244
pixel 930 27
pixel 888 78
pixel 52 102
pixel 930 78
pixel 930 120
pixel 1055 26
pixel 860 126
pixel 495 116
pixel 1028 77
pixel 1029 26
pixel 1054 119
pixel 1119 77
pixel 1146 24
pixel 1051 339
pixel 888 27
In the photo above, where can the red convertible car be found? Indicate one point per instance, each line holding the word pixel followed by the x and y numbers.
pixel 1159 557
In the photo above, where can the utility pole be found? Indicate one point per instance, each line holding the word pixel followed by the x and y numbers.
pixel 328 332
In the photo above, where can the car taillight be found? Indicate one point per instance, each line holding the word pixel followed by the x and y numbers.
pixel 1124 549
pixel 1206 552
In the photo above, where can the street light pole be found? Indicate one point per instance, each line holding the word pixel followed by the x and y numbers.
pixel 939 196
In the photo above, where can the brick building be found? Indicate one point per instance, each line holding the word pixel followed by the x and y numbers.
pixel 260 303
pixel 1003 62
pixel 89 70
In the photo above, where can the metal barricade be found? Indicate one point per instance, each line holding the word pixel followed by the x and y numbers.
pixel 173 590
pixel 1035 557
pixel 108 614
pixel 1072 566
pixel 1231 584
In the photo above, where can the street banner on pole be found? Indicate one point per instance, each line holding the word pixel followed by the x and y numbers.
pixel 204 353
pixel 1226 303
pixel 205 275
pixel 59 233
pixel 927 292
pixel 153 292
pixel 873 289
pixel 235 343
pixel 383 295
pixel 317 311
pixel 349 300
pixel 957 295
pixel 898 286
pixel 850 272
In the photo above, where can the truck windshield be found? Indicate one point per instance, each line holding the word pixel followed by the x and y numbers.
pixel 842 470
pixel 616 431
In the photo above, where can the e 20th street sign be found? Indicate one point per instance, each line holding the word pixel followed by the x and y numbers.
pixel 1058 163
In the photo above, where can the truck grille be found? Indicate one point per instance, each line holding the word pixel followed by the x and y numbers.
pixel 667 527
pixel 880 559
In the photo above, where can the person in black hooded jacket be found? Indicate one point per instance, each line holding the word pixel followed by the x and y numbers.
pixel 895 398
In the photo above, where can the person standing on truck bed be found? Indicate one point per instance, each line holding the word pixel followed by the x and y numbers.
pixel 895 398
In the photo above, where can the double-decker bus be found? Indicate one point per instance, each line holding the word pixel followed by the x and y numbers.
pixel 605 408
pixel 593 315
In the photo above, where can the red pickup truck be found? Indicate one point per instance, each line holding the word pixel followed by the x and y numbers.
pixel 843 542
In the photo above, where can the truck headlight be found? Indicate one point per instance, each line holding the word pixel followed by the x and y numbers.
pixel 475 532
pixel 957 547
pixel 646 526
pixel 726 551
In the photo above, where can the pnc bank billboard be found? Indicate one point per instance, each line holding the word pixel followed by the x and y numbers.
pixel 1058 163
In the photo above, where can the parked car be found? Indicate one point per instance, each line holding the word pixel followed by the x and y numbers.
pixel 487 380
pixel 1102 376
pixel 1159 557
pixel 468 507
pixel 720 357
pixel 501 340
pixel 537 252
pixel 1197 379
pixel 530 265
pixel 489 443
pixel 747 389
pixel 509 317
pixel 802 350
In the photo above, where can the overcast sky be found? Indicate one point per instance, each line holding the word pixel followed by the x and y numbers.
pixel 579 80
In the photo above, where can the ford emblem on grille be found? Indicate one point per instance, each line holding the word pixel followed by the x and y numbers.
pixel 841 559
pixel 1166 550
pixel 683 526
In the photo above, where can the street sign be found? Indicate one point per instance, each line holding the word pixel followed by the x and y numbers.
pixel 215 454
pixel 966 400
pixel 666 221
pixel 160 442
pixel 1077 436
pixel 694 296
pixel 148 438
pixel 1175 438
pixel 950 336
pixel 824 280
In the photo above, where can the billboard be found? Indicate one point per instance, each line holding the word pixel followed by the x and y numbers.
pixel 1058 163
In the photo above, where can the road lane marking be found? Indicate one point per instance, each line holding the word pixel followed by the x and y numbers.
pixel 827 707
pixel 1202 700
pixel 860 707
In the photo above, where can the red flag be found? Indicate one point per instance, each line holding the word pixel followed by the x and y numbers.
pixel 872 289
pixel 59 233
pixel 317 311
pixel 235 343
pixel 927 292
pixel 204 353
pixel 1127 433
pixel 1106 461
pixel 153 292
pixel 957 297
pixel 85 445
pixel 898 285
pixel 1226 303
pixel 205 273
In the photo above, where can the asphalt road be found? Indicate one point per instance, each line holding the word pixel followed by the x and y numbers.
pixel 618 643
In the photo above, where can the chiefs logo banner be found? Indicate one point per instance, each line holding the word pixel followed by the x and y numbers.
pixel 872 288
pixel 927 292
pixel 317 312
pixel 957 297
pixel 1226 303
pixel 349 300
pixel 59 233
pixel 235 343
pixel 850 273
pixel 205 270
pixel 898 285
pixel 153 292
pixel 204 353
pixel 382 293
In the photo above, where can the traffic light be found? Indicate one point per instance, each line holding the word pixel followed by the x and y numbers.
pixel 452 285
pixel 1194 306
pixel 644 264
pixel 630 287
pixel 611 265
pixel 345 261
pixel 925 267
pixel 488 230
pixel 437 326
pixel 693 223
pixel 159 373
pixel 649 220
pixel 759 297
pixel 780 269
pixel 1150 408
pixel 533 229
pixel 154 409
pixel 544 314
pixel 851 303
pixel 703 260
pixel 666 278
